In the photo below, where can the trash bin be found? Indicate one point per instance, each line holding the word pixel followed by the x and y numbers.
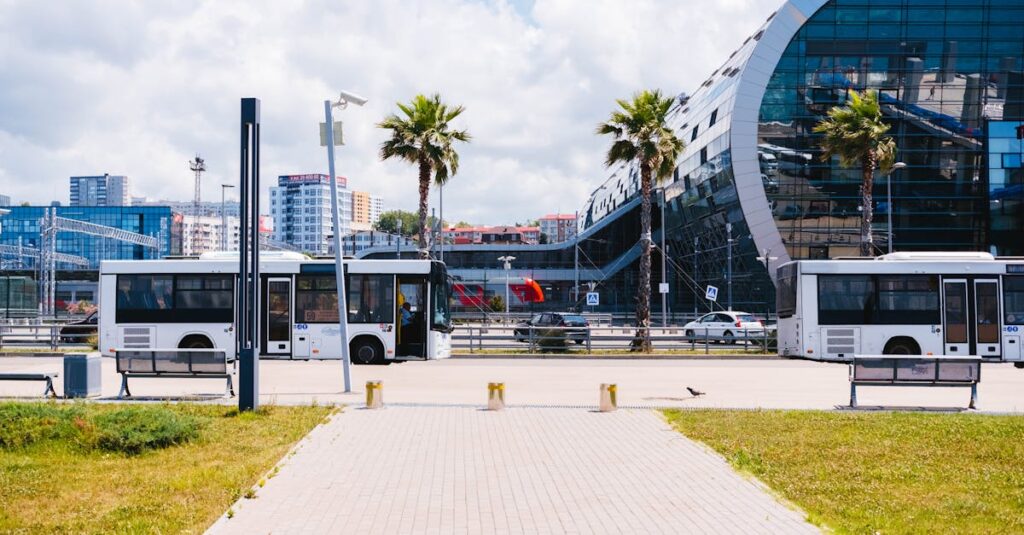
pixel 82 375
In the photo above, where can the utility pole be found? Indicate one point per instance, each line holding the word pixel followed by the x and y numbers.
pixel 398 239
pixel 664 280
pixel 696 276
pixel 508 267
pixel 576 263
pixel 728 229
pixel 224 218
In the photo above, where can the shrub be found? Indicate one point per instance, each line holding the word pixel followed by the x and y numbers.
pixel 92 341
pixel 23 424
pixel 133 430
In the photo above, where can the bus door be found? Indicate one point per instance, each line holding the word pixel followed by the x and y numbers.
pixel 278 316
pixel 411 337
pixel 988 326
pixel 971 318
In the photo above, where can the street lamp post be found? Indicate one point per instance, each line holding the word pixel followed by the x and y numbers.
pixel 888 193
pixel 343 100
pixel 728 229
pixel 224 218
pixel 508 267
pixel 664 280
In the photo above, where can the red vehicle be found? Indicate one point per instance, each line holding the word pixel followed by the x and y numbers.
pixel 521 291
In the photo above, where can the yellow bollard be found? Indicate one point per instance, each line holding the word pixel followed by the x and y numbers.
pixel 495 396
pixel 374 395
pixel 608 399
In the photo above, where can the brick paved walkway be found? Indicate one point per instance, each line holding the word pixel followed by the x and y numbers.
pixel 524 470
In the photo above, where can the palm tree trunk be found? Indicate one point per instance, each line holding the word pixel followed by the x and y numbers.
pixel 867 245
pixel 424 253
pixel 642 342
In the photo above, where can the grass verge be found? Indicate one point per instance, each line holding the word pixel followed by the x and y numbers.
pixel 90 468
pixel 878 472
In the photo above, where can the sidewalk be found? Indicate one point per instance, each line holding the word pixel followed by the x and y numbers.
pixel 466 470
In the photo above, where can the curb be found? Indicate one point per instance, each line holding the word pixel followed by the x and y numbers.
pixel 572 356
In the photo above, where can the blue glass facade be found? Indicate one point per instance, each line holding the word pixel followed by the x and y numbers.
pixel 751 189
pixel 22 225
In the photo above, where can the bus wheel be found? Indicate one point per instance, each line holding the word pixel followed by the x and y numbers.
pixel 902 346
pixel 195 341
pixel 1019 365
pixel 367 350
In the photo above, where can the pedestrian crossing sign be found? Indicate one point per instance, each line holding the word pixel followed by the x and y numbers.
pixel 712 293
pixel 593 299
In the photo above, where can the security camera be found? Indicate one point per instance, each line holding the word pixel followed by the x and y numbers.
pixel 352 98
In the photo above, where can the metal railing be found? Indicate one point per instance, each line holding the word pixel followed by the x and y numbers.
pixel 45 334
pixel 479 338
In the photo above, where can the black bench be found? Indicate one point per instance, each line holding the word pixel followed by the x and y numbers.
pixel 915 370
pixel 174 363
pixel 48 377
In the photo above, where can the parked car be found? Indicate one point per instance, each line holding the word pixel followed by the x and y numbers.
pixel 553 327
pixel 76 332
pixel 727 327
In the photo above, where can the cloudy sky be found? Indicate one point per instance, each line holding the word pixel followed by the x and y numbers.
pixel 137 88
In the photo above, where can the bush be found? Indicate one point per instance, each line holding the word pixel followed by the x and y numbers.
pixel 134 430
pixel 93 341
pixel 23 424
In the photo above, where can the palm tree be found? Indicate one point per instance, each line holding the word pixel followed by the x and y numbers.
pixel 641 135
pixel 423 136
pixel 857 135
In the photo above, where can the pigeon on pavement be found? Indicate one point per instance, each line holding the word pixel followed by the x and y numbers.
pixel 694 392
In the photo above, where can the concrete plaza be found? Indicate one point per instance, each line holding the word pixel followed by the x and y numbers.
pixel 781 384
pixel 522 470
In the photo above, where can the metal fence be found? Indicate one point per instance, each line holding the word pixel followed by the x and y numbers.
pixel 50 334
pixel 473 338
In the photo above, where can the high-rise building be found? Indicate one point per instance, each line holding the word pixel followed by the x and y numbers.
pixel 300 206
pixel 201 234
pixel 100 190
pixel 5 200
pixel 558 227
pixel 366 210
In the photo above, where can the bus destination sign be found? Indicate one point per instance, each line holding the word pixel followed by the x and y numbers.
pixel 1015 268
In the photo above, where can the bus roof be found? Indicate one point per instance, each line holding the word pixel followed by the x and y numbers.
pixel 268 265
pixel 951 263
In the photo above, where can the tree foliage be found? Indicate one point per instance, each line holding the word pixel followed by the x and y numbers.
pixel 422 135
pixel 641 136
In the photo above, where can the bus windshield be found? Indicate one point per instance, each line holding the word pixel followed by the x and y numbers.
pixel 441 318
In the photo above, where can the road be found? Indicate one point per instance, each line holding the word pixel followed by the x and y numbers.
pixel 778 384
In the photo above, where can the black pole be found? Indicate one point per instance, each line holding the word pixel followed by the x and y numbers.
pixel 248 304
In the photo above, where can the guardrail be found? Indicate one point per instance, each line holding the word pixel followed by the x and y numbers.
pixel 50 335
pixel 589 339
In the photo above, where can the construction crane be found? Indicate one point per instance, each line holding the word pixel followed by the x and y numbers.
pixel 50 225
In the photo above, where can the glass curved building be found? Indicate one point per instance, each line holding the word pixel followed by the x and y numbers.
pixel 751 191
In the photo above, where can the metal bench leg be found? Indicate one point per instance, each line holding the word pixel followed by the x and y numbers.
pixel 49 388
pixel 853 395
pixel 974 397
pixel 231 388
pixel 124 388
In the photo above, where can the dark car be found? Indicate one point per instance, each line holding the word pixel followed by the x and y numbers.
pixel 76 332
pixel 553 327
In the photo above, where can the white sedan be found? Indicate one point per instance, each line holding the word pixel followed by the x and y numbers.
pixel 725 326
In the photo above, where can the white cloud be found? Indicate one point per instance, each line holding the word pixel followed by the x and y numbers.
pixel 137 88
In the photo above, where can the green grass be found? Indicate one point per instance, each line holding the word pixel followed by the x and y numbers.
pixel 91 468
pixel 878 472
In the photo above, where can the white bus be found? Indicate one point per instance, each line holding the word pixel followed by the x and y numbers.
pixel 962 304
pixel 190 303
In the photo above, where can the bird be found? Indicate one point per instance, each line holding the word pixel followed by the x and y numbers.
pixel 694 392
